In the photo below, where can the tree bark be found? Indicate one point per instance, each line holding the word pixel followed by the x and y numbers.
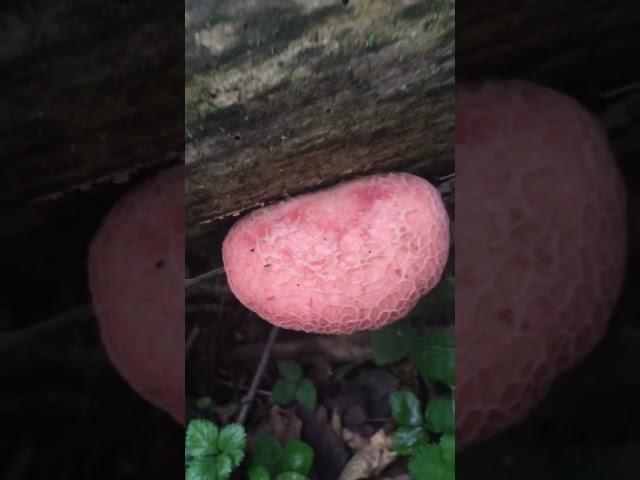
pixel 283 96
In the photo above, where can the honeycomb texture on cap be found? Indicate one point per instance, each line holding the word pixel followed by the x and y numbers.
pixel 136 276
pixel 353 257
pixel 541 247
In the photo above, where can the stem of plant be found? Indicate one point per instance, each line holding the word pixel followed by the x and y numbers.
pixel 264 359
pixel 264 393
pixel 193 334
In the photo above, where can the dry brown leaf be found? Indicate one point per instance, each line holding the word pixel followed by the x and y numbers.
pixel 371 459
pixel 353 440
pixel 336 422
pixel 282 423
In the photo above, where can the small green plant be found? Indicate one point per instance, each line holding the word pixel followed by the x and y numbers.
pixel 212 453
pixel 205 405
pixel 432 353
pixel 292 385
pixel 428 436
pixel 269 461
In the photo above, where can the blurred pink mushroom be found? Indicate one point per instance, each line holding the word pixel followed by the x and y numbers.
pixel 136 276
pixel 353 257
pixel 541 247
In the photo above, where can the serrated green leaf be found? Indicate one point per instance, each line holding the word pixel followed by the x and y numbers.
pixel 232 440
pixel 406 409
pixel 267 453
pixel 201 438
pixel 428 464
pixel 202 468
pixel 236 457
pixel 258 473
pixel 223 466
pixel 434 356
pixel 306 394
pixel 284 392
pixel 440 415
pixel 407 439
pixel 393 342
pixel 290 370
pixel 297 457
pixel 291 476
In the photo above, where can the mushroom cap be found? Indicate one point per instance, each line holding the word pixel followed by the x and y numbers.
pixel 136 277
pixel 353 257
pixel 541 247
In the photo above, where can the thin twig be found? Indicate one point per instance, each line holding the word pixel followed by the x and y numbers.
pixel 259 391
pixel 617 91
pixel 264 359
pixel 190 282
pixel 191 339
pixel 204 308
pixel 12 340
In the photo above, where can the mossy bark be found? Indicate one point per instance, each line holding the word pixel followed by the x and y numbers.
pixel 284 96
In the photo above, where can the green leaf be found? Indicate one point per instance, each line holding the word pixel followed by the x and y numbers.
pixel 267 453
pixel 258 473
pixel 428 464
pixel 406 409
pixel 223 466
pixel 291 476
pixel 202 469
pixel 204 403
pixel 284 392
pixel 448 449
pixel 290 370
pixel 434 356
pixel 393 342
pixel 440 415
pixel 201 438
pixel 297 457
pixel 306 394
pixel 407 439
pixel 232 440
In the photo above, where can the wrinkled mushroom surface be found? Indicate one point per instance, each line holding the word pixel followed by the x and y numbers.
pixel 352 257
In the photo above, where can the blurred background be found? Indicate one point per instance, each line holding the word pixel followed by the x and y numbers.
pixel 91 104
pixel 588 426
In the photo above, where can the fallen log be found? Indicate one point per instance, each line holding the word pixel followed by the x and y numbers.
pixel 284 96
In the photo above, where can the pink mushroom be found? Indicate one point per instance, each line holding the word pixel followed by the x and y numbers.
pixel 541 247
pixel 136 277
pixel 353 257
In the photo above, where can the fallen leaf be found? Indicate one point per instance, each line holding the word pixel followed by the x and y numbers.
pixel 353 440
pixel 371 459
pixel 330 451
pixel 282 423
